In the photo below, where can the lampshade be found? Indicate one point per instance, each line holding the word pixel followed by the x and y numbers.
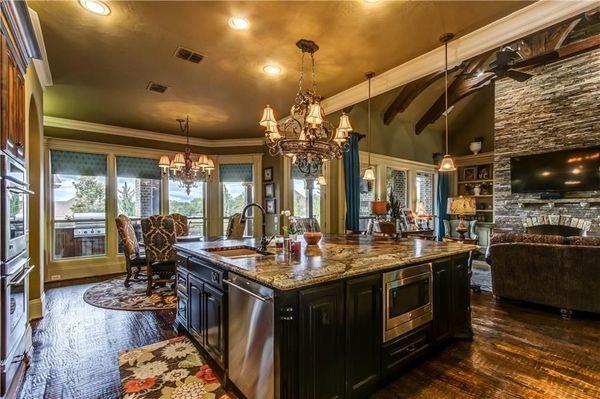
pixel 179 160
pixel 321 181
pixel 369 174
pixel 202 161
pixel 345 123
pixel 447 164
pixel 268 117
pixel 210 164
pixel 420 209
pixel 164 162
pixel 273 131
pixel 196 166
pixel 340 136
pixel 314 116
pixel 302 135
pixel 461 205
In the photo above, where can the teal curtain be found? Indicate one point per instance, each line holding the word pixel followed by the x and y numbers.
pixel 141 168
pixel 77 163
pixel 236 172
pixel 443 192
pixel 352 183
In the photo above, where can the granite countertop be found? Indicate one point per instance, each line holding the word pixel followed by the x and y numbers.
pixel 335 257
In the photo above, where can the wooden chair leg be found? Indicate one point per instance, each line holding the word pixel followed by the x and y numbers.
pixel 128 268
pixel 149 271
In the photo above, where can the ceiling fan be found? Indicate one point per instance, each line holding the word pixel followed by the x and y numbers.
pixel 506 59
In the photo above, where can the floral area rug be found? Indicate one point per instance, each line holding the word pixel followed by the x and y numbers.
pixel 171 369
pixel 112 294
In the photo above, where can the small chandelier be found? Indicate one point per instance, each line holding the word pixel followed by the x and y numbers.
pixel 183 167
pixel 447 164
pixel 306 136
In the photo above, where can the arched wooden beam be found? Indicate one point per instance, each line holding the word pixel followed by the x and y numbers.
pixel 410 91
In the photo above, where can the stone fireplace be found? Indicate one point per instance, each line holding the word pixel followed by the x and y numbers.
pixel 556 109
pixel 562 225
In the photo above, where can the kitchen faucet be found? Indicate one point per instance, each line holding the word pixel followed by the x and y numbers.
pixel 264 241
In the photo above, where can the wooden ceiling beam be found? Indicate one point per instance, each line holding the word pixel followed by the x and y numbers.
pixel 464 84
pixel 566 51
pixel 411 91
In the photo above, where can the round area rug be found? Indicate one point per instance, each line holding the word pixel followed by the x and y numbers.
pixel 112 294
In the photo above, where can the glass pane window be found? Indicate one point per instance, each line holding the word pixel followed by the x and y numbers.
pixel 396 186
pixel 192 205
pixel 237 190
pixel 306 195
pixel 138 190
pixel 425 191
pixel 79 204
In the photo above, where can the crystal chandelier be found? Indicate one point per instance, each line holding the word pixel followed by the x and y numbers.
pixel 183 167
pixel 306 136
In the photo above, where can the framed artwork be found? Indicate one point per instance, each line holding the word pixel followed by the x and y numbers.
pixel 470 173
pixel 268 174
pixel 271 206
pixel 484 172
pixel 269 190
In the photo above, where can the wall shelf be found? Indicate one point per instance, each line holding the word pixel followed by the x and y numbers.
pixel 583 202
pixel 475 181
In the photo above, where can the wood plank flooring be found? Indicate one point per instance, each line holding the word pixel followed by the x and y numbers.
pixel 518 352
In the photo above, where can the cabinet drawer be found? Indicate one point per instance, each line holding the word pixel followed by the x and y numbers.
pixel 401 352
pixel 182 261
pixel 182 278
pixel 206 272
pixel 182 309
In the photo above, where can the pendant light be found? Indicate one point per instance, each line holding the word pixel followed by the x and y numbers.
pixel 447 164
pixel 369 172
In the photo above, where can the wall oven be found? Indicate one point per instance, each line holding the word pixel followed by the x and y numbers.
pixel 14 209
pixel 407 299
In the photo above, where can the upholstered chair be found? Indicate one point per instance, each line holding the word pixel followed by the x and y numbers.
pixel 159 238
pixel 131 248
pixel 451 225
pixel 181 224
pixel 235 227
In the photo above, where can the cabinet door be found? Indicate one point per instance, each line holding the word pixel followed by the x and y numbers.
pixel 363 335
pixel 195 311
pixel 461 293
pixel 182 310
pixel 442 300
pixel 214 326
pixel 321 346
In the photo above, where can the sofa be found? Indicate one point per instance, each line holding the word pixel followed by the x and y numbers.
pixel 563 272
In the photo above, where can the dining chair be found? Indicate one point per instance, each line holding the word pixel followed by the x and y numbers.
pixel 159 238
pixel 131 248
pixel 235 227
pixel 181 224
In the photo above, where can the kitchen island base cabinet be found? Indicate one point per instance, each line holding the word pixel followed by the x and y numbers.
pixel 321 346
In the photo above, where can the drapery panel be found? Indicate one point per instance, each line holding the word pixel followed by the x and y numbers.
pixel 443 192
pixel 236 172
pixel 352 183
pixel 77 163
pixel 141 168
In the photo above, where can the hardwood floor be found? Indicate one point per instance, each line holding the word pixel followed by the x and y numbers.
pixel 517 352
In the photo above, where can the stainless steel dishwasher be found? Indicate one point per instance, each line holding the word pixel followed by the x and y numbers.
pixel 251 330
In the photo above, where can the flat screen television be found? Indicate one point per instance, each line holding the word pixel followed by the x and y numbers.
pixel 559 171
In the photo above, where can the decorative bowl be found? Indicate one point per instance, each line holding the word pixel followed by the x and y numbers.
pixel 312 237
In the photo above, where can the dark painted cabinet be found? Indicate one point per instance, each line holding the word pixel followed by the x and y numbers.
pixel 321 323
pixel 196 314
pixel 442 300
pixel 204 305
pixel 363 335
pixel 214 323
pixel 451 299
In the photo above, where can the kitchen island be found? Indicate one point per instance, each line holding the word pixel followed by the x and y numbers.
pixel 339 320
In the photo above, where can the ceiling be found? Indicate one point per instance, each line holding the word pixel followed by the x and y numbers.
pixel 101 65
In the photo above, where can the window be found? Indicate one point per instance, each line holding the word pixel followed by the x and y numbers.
pixel 79 203
pixel 397 186
pixel 367 194
pixel 237 190
pixel 306 196
pixel 425 190
pixel 138 190
pixel 192 205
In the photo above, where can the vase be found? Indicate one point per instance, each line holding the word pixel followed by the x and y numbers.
pixel 312 237
pixel 476 190
pixel 475 147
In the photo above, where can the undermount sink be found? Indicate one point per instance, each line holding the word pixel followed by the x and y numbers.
pixel 238 252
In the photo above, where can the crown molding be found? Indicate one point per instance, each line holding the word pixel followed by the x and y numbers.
pixel 528 20
pixel 398 163
pixel 73 124
pixel 42 67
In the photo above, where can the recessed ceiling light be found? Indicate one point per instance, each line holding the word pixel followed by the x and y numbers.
pixel 272 69
pixel 371 1
pixel 95 6
pixel 239 23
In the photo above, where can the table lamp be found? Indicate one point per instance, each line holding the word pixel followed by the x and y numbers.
pixel 461 206
pixel 422 213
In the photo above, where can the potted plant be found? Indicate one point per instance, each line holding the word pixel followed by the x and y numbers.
pixel 291 229
pixel 394 210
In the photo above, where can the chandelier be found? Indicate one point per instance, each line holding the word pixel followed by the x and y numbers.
pixel 306 136
pixel 183 168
